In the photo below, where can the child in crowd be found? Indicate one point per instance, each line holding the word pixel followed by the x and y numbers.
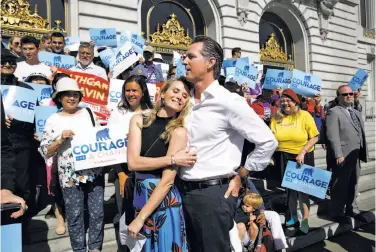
pixel 246 219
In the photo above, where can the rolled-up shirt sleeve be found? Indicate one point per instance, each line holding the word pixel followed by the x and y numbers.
pixel 246 122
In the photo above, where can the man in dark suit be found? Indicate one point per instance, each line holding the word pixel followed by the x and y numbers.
pixel 347 142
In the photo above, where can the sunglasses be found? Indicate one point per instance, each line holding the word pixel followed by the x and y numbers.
pixel 347 94
pixel 12 64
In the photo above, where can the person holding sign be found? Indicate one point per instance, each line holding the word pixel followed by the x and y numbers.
pixel 56 141
pixel 30 49
pixel 19 133
pixel 153 73
pixel 347 145
pixel 135 99
pixel 297 135
pixel 156 148
pixel 85 61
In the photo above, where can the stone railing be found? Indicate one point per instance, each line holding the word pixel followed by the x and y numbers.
pixel 369 33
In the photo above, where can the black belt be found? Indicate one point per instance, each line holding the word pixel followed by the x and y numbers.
pixel 192 185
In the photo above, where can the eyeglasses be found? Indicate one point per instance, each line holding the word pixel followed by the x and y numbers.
pixel 285 101
pixel 347 94
pixel 87 53
pixel 71 93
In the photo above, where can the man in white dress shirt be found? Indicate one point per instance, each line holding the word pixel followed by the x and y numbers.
pixel 85 61
pixel 217 126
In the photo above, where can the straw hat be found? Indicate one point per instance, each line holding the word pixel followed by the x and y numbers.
pixel 66 84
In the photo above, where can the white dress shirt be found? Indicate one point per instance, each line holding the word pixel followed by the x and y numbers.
pixel 91 69
pixel 217 127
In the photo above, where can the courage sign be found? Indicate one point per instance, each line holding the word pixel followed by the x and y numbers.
pixel 305 84
pixel 307 179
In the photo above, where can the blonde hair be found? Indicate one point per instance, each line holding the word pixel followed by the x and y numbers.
pixel 253 199
pixel 177 121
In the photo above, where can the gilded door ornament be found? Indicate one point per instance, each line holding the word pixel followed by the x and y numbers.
pixel 17 19
pixel 172 34
pixel 272 51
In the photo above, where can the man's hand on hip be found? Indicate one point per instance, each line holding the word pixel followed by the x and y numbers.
pixel 234 187
pixel 340 160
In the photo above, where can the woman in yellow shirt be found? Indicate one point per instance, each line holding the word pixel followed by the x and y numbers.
pixel 296 132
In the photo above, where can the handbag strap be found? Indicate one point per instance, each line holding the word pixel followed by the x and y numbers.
pixel 91 116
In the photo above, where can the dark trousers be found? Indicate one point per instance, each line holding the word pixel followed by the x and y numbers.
pixel 21 164
pixel 345 185
pixel 74 210
pixel 124 205
pixel 208 217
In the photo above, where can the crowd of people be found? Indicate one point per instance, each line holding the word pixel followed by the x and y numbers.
pixel 186 184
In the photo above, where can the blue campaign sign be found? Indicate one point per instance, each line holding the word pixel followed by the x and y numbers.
pixel 103 36
pixel 305 84
pixel 11 238
pixel 244 73
pixel 72 43
pixel 42 113
pixel 180 69
pixel 107 56
pixel 358 79
pixel 125 36
pixel 42 91
pixel 58 60
pixel 275 79
pixel 307 179
pixel 19 103
pixel 230 63
pixel 138 43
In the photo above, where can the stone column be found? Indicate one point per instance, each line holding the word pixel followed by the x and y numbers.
pixel 370 10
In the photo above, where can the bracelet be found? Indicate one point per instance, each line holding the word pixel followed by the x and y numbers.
pixel 173 161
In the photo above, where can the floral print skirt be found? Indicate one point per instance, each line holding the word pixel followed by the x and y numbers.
pixel 165 228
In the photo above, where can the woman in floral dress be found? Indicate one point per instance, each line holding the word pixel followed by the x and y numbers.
pixel 56 140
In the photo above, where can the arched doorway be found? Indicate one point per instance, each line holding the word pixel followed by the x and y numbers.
pixel 276 44
pixel 171 25
pixel 282 38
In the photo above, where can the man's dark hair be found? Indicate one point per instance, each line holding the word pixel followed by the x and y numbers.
pixel 57 35
pixel 45 37
pixel 234 88
pixel 345 85
pixel 211 49
pixel 235 50
pixel 29 40
pixel 222 80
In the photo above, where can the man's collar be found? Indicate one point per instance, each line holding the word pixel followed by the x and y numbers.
pixel 212 90
pixel 91 65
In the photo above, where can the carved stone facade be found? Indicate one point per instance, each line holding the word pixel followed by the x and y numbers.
pixel 327 35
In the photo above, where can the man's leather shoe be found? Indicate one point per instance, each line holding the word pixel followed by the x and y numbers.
pixel 341 219
pixel 358 217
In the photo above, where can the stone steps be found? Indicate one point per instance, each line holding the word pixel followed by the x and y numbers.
pixel 42 237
